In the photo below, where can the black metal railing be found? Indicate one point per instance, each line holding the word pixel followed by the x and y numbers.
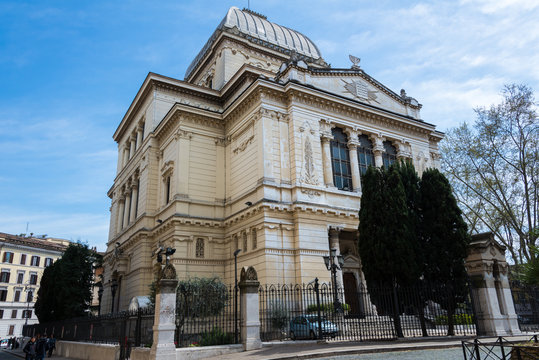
pixel 384 312
pixel 526 300
pixel 501 349
pixel 128 329
pixel 207 319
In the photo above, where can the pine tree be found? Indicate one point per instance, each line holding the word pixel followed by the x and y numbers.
pixel 65 287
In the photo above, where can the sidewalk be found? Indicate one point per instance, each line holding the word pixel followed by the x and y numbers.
pixel 18 352
pixel 312 349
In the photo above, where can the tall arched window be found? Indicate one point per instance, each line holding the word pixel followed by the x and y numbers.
pixel 340 161
pixel 199 253
pixel 389 156
pixel 244 242
pixel 253 238
pixel 364 154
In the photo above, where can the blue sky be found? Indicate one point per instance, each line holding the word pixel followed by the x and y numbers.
pixel 70 69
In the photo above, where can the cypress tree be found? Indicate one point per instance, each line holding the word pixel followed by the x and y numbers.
pixel 384 230
pixel 444 238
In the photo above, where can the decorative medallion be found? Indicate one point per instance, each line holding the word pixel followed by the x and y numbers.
pixel 360 90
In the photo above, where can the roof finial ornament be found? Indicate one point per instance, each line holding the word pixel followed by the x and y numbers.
pixel 355 62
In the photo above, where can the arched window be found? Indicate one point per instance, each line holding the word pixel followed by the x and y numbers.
pixel 340 161
pixel 389 156
pixel 199 248
pixel 244 242
pixel 364 154
pixel 253 238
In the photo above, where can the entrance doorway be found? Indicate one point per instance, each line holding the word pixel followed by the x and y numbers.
pixel 351 293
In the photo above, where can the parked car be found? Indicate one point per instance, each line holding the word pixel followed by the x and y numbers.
pixel 3 343
pixel 306 327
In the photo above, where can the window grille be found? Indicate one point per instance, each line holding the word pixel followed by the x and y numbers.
pixel 244 242
pixel 200 248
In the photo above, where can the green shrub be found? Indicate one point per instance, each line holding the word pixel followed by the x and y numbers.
pixel 458 319
pixel 326 307
pixel 216 337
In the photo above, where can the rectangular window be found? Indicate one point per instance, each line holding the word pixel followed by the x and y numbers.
pixel 11 329
pixel 3 294
pixel 8 257
pixel 33 279
pixel 167 194
pixel 17 296
pixel 23 259
pixel 29 296
pixel 26 314
pixel 48 262
pixel 13 314
pixel 1 314
pixel 4 276
pixel 35 261
pixel 20 278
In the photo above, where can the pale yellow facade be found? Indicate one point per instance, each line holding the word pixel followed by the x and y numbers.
pixel 23 260
pixel 241 155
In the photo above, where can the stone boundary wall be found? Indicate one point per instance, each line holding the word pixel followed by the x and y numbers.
pixel 206 352
pixel 92 351
pixel 87 351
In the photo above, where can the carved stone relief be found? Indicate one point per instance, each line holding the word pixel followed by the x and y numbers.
pixel 309 174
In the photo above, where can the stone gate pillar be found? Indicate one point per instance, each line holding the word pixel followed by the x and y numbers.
pixel 250 321
pixel 163 347
pixel 487 269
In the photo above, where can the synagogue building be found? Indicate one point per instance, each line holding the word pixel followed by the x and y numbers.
pixel 260 148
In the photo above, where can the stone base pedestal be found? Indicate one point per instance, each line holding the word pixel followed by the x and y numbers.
pixel 250 324
pixel 163 347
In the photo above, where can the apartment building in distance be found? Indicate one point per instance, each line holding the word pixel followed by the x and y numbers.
pixel 22 261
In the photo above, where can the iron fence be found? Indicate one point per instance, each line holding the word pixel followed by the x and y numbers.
pixel 526 300
pixel 207 318
pixel 318 311
pixel 128 329
pixel 501 349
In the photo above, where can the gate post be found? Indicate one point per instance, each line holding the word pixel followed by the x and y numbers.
pixel 487 269
pixel 250 319
pixel 163 347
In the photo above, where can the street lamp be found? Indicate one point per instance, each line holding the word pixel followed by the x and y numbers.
pixel 236 295
pixel 333 263
pixel 113 288
pixel 29 297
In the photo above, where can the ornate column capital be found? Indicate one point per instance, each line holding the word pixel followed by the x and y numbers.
pixel 325 130
pixel 377 142
pixel 403 149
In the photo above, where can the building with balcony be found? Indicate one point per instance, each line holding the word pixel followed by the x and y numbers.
pixel 261 148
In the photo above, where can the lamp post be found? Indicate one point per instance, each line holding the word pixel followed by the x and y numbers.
pixel 236 295
pixel 113 288
pixel 333 263
pixel 29 297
